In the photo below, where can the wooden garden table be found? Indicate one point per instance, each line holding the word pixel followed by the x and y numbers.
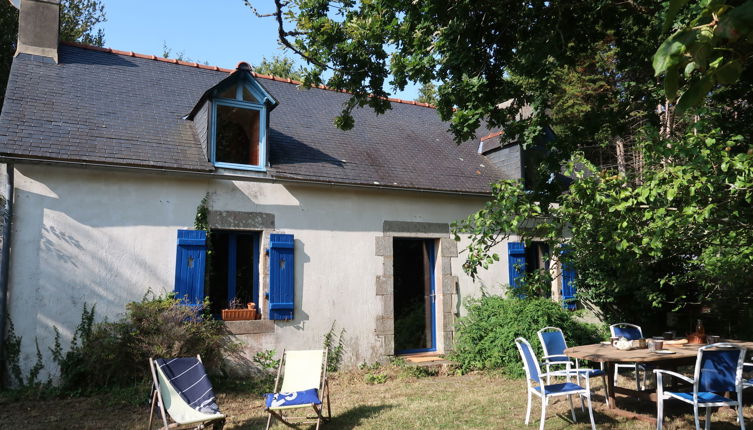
pixel 609 355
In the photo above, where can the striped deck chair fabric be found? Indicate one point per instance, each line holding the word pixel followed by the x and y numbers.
pixel 184 392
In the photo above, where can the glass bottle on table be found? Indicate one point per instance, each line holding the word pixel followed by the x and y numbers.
pixel 699 329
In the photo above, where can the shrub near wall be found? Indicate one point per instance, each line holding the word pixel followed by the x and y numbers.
pixel 485 338
pixel 114 354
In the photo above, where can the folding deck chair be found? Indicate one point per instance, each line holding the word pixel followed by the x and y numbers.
pixel 304 384
pixel 183 391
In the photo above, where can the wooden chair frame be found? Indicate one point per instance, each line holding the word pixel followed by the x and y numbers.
pixel 157 399
pixel 319 416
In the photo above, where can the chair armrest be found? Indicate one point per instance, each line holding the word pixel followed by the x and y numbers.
pixel 548 358
pixel 659 372
pixel 747 367
pixel 554 373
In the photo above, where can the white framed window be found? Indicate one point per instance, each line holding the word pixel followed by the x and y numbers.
pixel 238 135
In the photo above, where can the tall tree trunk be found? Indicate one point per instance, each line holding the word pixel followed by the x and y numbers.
pixel 620 147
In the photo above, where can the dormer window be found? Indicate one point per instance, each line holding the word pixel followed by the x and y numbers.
pixel 239 129
pixel 231 121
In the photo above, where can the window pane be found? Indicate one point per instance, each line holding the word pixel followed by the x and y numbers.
pixel 237 135
pixel 247 96
pixel 244 274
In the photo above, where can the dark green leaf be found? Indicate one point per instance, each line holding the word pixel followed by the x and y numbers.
pixel 671 83
pixel 695 94
pixel 670 52
pixel 736 23
pixel 729 73
pixel 689 68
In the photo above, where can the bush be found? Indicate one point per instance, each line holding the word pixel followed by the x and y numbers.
pixel 115 354
pixel 486 336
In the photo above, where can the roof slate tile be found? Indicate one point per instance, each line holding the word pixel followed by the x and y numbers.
pixel 127 109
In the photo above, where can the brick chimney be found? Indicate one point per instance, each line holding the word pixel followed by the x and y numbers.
pixel 38 23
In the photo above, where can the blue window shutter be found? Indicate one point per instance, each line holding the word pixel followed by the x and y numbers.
pixel 281 281
pixel 568 283
pixel 190 263
pixel 516 263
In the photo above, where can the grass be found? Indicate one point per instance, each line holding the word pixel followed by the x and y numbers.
pixel 402 401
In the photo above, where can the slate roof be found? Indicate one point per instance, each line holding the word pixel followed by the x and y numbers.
pixel 106 108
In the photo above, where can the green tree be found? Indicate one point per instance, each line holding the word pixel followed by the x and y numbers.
pixel 167 52
pixel 280 66
pixel 679 238
pixel 8 38
pixel 78 22
pixel 484 53
pixel 657 208
pixel 427 94
pixel 712 46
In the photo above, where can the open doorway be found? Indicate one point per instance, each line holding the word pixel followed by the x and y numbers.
pixel 414 298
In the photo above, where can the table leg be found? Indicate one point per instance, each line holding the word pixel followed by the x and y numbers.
pixel 609 368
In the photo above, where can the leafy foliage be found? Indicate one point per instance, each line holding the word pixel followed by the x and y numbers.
pixel 8 38
pixel 713 46
pixel 428 94
pixel 114 354
pixel 335 345
pixel 280 66
pixel 485 338
pixel 201 219
pixel 78 21
pixel 483 54
pixel 265 361
pixel 375 378
pixel 167 52
pixel 675 238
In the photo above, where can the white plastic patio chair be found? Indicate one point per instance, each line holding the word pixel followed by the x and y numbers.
pixel 184 393
pixel 545 391
pixel 304 384
pixel 718 370
pixel 554 345
pixel 747 383
pixel 629 332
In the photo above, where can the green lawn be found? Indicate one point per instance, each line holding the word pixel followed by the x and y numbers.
pixel 476 401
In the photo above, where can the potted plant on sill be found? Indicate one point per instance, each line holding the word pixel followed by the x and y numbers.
pixel 237 311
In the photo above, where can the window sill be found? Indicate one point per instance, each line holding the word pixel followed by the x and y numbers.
pixel 250 326
pixel 248 167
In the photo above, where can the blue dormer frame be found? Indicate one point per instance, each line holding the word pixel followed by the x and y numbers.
pixel 263 108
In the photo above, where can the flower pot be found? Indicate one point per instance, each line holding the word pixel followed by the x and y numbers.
pixel 238 314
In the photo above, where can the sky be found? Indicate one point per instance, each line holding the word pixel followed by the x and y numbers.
pixel 218 32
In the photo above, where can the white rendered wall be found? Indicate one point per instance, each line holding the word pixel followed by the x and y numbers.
pixel 106 238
